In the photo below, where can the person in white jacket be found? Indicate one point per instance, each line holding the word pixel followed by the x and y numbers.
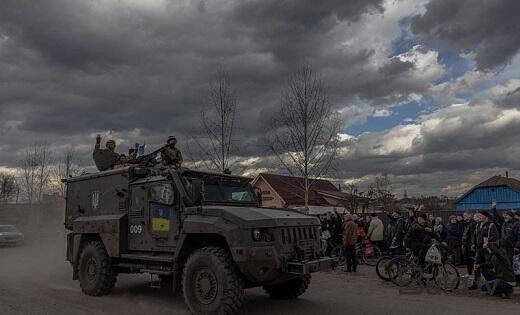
pixel 376 231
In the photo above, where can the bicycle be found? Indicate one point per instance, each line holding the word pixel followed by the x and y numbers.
pixel 381 268
pixel 366 253
pixel 404 267
pixel 383 262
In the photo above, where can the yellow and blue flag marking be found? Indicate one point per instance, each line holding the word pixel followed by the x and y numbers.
pixel 160 218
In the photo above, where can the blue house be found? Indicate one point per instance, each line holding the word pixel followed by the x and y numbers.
pixel 499 190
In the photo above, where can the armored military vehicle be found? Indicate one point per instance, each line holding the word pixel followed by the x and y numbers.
pixel 201 232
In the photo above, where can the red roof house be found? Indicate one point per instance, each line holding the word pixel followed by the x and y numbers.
pixel 282 191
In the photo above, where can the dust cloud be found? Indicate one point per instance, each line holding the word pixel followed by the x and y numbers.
pixel 40 258
pixel 35 277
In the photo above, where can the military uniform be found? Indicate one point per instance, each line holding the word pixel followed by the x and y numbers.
pixel 170 155
pixel 132 155
pixel 106 159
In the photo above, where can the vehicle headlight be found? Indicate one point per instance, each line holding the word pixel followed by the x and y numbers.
pixel 257 235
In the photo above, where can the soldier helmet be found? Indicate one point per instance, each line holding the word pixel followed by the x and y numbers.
pixel 171 139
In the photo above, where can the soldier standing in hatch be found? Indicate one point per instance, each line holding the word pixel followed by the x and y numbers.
pixel 110 145
pixel 170 155
pixel 132 154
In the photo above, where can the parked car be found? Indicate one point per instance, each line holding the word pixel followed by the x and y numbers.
pixel 9 235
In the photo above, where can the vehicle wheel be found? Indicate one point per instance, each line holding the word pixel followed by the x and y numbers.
pixel 290 289
pixel 96 275
pixel 211 282
pixel 372 258
pixel 446 277
pixel 382 268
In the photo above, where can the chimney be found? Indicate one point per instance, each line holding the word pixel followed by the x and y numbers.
pixel 507 174
pixel 339 187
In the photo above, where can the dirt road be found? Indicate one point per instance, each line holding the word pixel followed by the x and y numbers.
pixel 35 279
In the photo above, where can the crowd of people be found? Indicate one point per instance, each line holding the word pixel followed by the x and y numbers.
pixel 486 242
pixel 350 230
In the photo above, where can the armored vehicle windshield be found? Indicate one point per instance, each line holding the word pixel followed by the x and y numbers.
pixel 224 189
pixel 225 192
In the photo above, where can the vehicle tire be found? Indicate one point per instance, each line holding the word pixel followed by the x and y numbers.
pixel 211 282
pixel 96 275
pixel 371 260
pixel 382 268
pixel 446 277
pixel 289 290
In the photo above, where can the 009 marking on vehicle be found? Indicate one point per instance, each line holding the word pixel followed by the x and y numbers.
pixel 136 229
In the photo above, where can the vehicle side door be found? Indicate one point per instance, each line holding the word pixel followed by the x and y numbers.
pixel 153 217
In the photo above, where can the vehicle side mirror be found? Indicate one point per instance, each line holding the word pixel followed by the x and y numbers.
pixel 197 187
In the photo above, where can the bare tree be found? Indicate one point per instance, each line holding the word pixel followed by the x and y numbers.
pixel 35 172
pixel 8 187
pixel 382 192
pixel 355 197
pixel 66 167
pixel 306 128
pixel 218 122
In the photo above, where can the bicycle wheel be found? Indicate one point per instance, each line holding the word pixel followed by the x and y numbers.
pixel 399 272
pixel 446 276
pixel 370 258
pixel 338 255
pixel 382 268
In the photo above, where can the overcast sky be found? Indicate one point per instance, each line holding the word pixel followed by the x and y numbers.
pixel 430 90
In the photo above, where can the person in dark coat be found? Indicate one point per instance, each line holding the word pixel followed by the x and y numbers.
pixel 338 228
pixel 327 229
pixel 486 233
pixel 468 241
pixel 349 242
pixel 460 222
pixel 454 239
pixel 497 271
pixel 509 234
pixel 397 232
pixel 510 238
pixel 419 238
pixel 366 224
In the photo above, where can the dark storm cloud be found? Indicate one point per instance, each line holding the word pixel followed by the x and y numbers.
pixel 295 30
pixel 75 68
pixel 138 71
pixel 62 32
pixel 490 29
